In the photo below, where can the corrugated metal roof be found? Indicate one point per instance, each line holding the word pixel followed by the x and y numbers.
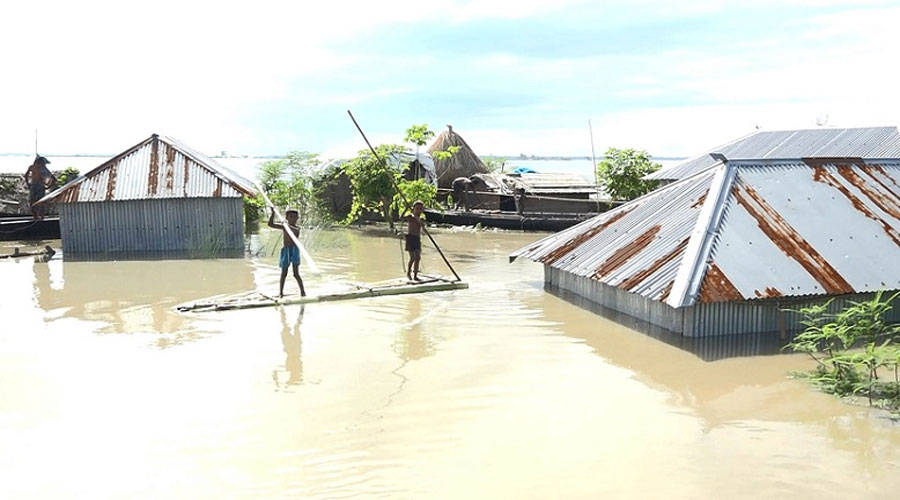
pixel 538 183
pixel 156 168
pixel 867 142
pixel 637 246
pixel 745 230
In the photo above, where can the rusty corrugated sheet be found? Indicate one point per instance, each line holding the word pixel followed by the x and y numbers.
pixel 156 168
pixel 866 142
pixel 778 228
pixel 638 246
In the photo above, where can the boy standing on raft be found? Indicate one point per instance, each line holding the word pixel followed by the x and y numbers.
pixel 290 254
pixel 414 240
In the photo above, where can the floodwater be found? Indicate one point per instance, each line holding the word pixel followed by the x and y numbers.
pixel 499 391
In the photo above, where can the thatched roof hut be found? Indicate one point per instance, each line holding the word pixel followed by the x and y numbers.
pixel 463 163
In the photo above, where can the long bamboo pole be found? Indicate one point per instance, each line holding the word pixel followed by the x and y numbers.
pixel 405 201
pixel 310 263
pixel 594 162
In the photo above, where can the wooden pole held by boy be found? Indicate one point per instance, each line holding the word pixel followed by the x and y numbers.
pixel 405 201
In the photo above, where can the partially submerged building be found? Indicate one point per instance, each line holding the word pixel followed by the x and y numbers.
pixel 863 142
pixel 157 196
pixel 727 250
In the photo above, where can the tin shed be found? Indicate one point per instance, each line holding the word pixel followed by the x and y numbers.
pixel 822 142
pixel 157 196
pixel 727 250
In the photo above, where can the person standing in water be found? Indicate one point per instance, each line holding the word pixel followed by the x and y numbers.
pixel 290 254
pixel 414 239
pixel 461 188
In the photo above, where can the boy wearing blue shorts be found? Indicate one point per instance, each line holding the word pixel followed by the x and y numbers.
pixel 290 254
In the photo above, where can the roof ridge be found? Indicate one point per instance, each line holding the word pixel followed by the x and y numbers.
pixel 690 275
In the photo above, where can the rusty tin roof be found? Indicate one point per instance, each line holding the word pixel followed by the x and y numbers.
pixel 745 230
pixel 156 168
pixel 864 142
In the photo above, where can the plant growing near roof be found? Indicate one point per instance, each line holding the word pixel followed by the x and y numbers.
pixel 253 208
pixel 67 175
pixel 412 191
pixel 289 183
pixel 621 173
pixel 494 164
pixel 850 348
pixel 446 154
pixel 418 135
pixel 371 182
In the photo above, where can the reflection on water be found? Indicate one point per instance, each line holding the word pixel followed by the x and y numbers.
pixel 136 296
pixel 293 349
pixel 412 342
pixel 707 348
pixel 499 391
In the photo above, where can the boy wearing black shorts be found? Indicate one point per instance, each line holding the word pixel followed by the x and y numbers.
pixel 414 240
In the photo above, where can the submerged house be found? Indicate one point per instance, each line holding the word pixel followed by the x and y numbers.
pixel 157 196
pixel 727 250
pixel 863 142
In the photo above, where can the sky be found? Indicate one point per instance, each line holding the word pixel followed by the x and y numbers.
pixel 524 77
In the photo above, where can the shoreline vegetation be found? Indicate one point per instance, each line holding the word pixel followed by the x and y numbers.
pixel 524 157
pixel 856 351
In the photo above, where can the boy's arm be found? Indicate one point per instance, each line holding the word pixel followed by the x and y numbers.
pixel 28 176
pixel 271 222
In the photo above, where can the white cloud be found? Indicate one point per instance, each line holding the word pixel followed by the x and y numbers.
pixel 97 76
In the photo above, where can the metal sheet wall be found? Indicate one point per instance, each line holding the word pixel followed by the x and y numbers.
pixel 704 319
pixel 652 311
pixel 751 317
pixel 192 224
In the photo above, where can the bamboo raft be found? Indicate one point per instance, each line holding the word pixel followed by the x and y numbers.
pixel 253 300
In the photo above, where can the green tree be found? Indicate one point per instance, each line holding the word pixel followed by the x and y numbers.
pixel 418 135
pixel 371 180
pixel 288 183
pixel 621 173
pixel 413 191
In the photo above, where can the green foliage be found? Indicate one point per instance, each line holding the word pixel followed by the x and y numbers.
pixel 621 171
pixel 253 208
pixel 288 183
pixel 850 348
pixel 371 182
pixel 413 191
pixel 418 134
pixel 208 245
pixel 494 164
pixel 68 174
pixel 446 154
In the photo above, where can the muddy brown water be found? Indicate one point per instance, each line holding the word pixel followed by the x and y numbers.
pixel 499 391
